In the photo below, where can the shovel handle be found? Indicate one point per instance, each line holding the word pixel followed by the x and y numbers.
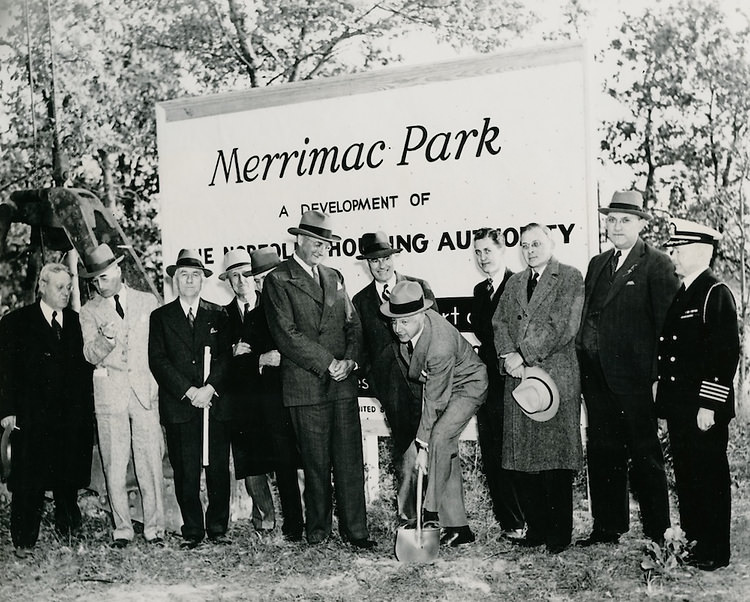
pixel 420 478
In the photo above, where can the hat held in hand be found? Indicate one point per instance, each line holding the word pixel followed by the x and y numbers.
pixel 537 394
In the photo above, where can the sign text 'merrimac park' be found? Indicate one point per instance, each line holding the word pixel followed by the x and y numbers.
pixel 418 143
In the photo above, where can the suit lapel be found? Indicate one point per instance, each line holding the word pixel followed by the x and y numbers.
pixel 628 267
pixel 419 356
pixel 179 324
pixel 521 292
pixel 546 283
pixel 303 281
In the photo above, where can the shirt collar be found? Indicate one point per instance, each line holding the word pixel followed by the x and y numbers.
pixel 47 312
pixel 305 267
pixel 122 297
pixel 186 307
pixel 379 286
pixel 690 278
pixel 416 338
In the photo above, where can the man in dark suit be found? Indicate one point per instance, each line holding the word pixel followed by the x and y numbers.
pixel 402 406
pixel 453 383
pixel 180 334
pixel 489 252
pixel 628 291
pixel 699 349
pixel 46 397
pixel 318 333
pixel 262 433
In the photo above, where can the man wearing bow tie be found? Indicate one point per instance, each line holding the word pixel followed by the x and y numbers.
pixel 115 325
pixel 45 397
pixel 402 407
pixel 628 291
pixel 180 332
pixel 319 335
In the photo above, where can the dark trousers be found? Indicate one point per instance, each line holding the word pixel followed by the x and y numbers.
pixel 26 507
pixel 623 427
pixel 330 436
pixel 703 484
pixel 547 502
pixel 499 480
pixel 185 451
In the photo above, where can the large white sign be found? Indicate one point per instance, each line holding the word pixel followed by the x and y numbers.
pixel 426 154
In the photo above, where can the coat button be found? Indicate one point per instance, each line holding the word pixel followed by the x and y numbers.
pixel 674 337
pixel 658 357
pixel 661 338
pixel 671 378
pixel 519 317
pixel 671 359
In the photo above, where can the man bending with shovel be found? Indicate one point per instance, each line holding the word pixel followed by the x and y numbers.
pixel 443 367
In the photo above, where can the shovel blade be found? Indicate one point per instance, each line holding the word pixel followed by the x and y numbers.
pixel 412 548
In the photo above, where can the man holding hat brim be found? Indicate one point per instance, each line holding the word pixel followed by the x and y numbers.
pixel 698 353
pixel 115 325
pixel 319 335
pixel 180 333
pixel 403 408
pixel 254 393
pixel 535 326
pixel 452 381
pixel 628 291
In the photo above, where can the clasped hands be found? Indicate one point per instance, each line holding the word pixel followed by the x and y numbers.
pixel 341 369
pixel 200 397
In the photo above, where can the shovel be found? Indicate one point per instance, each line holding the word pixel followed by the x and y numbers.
pixel 417 545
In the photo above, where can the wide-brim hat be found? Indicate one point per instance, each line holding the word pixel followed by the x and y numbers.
pixel 5 453
pixel 234 260
pixel 317 225
pixel 373 245
pixel 188 258
pixel 263 260
pixel 407 299
pixel 685 232
pixel 537 395
pixel 97 261
pixel 626 201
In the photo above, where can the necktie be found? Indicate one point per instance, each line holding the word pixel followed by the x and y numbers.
pixel 490 287
pixel 386 293
pixel 614 261
pixel 56 326
pixel 191 317
pixel 118 307
pixel 410 347
pixel 531 285
pixel 246 312
pixel 316 275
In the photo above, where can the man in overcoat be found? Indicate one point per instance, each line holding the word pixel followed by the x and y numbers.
pixel 319 335
pixel 535 326
pixel 489 253
pixel 262 434
pixel 628 291
pixel 45 396
pixel 699 349
pixel 402 406
pixel 453 383
pixel 115 325
pixel 180 333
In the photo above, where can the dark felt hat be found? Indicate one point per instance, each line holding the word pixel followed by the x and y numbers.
pixel 264 259
pixel 373 245
pixel 626 201
pixel 188 258
pixel 97 261
pixel 317 225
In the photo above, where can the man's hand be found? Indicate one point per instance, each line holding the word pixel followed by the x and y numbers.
pixel 421 462
pixel 340 369
pixel 108 330
pixel 514 364
pixel 203 397
pixel 241 348
pixel 9 421
pixel 705 419
pixel 269 358
pixel 191 393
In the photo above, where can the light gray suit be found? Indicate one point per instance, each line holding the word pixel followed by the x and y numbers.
pixel 126 405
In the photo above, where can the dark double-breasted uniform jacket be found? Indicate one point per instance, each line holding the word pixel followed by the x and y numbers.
pixel 698 350
pixel 46 384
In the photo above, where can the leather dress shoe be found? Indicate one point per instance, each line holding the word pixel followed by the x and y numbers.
pixel 293 536
pixel 455 536
pixel 22 553
pixel 597 537
pixel 157 541
pixel 219 540
pixel 364 543
pixel 119 543
pixel 190 544
pixel 513 534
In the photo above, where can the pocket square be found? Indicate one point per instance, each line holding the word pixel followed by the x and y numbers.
pixel 630 283
pixel 213 331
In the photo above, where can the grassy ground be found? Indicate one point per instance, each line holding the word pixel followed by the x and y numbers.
pixel 266 567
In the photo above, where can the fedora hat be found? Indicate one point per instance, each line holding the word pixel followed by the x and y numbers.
pixel 5 453
pixel 188 258
pixel 537 394
pixel 373 245
pixel 97 261
pixel 407 299
pixel 233 260
pixel 317 225
pixel 626 201
pixel 685 232
pixel 264 259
